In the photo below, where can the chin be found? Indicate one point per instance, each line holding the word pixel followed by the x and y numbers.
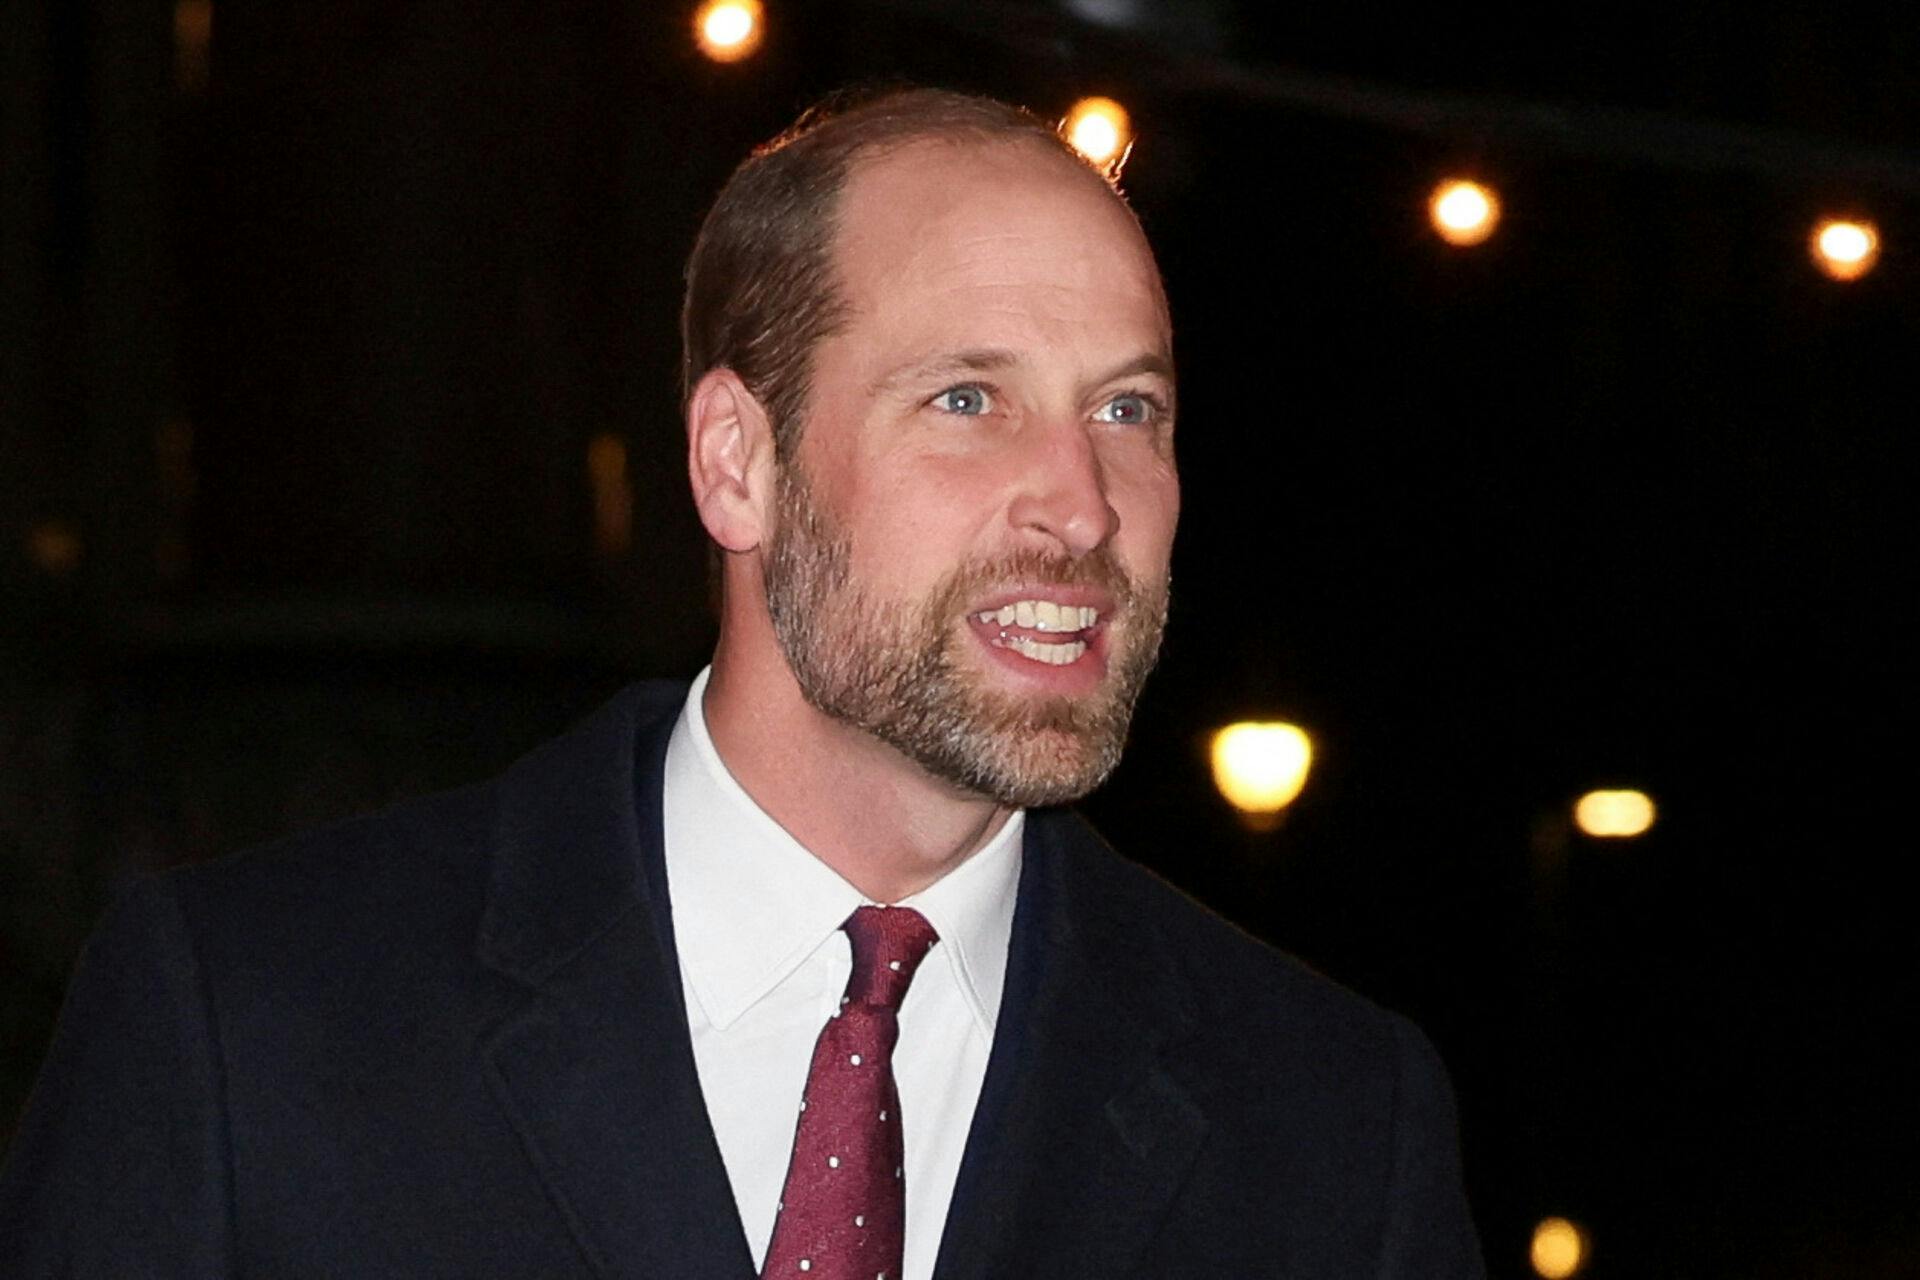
pixel 1033 766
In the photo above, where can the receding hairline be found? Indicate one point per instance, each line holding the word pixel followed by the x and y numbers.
pixel 837 142
pixel 862 163
pixel 880 151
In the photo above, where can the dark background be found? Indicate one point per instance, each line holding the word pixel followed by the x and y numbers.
pixel 310 331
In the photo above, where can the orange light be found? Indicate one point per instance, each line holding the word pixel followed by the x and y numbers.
pixel 1463 212
pixel 729 30
pixel 1844 249
pixel 612 495
pixel 1100 130
pixel 1261 767
pixel 1559 1249
pixel 55 546
pixel 192 36
pixel 1614 815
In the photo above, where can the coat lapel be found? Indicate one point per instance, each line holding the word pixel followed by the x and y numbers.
pixel 1082 1134
pixel 593 1066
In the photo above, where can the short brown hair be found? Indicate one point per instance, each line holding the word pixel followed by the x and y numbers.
pixel 761 292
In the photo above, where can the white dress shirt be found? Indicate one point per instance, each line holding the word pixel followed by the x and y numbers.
pixel 756 919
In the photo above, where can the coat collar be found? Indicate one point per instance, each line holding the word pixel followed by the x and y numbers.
pixel 593 1066
pixel 597 790
pixel 1081 1136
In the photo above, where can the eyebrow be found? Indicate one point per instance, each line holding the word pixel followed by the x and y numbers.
pixel 994 359
pixel 979 360
pixel 1147 362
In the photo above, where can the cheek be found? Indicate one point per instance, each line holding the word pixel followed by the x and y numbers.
pixel 1147 499
pixel 944 502
pixel 907 536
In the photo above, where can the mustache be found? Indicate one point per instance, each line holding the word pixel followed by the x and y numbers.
pixel 1099 568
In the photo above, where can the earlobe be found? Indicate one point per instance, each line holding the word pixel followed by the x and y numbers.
pixel 729 444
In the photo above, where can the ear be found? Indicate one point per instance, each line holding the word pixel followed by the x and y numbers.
pixel 730 460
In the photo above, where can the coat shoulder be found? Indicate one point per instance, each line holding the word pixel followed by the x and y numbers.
pixel 1249 989
pixel 380 892
pixel 1340 1110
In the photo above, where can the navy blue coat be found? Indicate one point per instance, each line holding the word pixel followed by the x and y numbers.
pixel 449 1040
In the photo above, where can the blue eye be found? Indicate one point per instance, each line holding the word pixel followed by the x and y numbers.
pixel 1128 408
pixel 967 400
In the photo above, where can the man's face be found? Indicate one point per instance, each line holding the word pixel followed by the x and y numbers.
pixel 971 554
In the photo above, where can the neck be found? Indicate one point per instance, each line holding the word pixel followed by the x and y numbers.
pixel 878 819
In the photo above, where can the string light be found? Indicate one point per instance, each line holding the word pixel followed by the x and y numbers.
pixel 1614 815
pixel 1261 767
pixel 1559 1249
pixel 729 30
pixel 1845 249
pixel 1463 212
pixel 1100 130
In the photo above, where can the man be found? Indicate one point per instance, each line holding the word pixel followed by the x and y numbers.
pixel 670 997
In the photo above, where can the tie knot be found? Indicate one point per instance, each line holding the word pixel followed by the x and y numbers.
pixel 888 945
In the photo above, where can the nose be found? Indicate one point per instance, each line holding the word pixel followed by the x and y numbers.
pixel 1062 492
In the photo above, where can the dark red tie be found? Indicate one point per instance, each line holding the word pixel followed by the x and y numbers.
pixel 843 1213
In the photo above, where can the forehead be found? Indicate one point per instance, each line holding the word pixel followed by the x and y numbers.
pixel 994 243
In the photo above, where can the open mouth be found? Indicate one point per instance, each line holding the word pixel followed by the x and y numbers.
pixel 1050 632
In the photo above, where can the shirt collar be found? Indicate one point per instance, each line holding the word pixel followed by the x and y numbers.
pixel 751 904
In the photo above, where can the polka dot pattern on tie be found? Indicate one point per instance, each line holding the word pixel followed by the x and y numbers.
pixel 841 1217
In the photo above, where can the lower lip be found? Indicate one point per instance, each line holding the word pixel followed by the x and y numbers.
pixel 1082 675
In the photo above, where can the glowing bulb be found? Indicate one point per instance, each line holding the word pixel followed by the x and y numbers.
pixel 1614 814
pixel 1463 212
pixel 1261 767
pixel 1559 1249
pixel 1845 250
pixel 1099 129
pixel 728 30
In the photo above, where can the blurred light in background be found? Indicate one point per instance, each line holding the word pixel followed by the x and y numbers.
pixel 192 38
pixel 612 495
pixel 729 30
pixel 1464 213
pixel 1099 129
pixel 1613 814
pixel 55 546
pixel 1110 13
pixel 1261 767
pixel 1559 1249
pixel 1845 250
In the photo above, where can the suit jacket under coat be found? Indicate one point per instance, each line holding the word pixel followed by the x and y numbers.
pixel 449 1040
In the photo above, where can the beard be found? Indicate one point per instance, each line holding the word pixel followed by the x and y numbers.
pixel 894 669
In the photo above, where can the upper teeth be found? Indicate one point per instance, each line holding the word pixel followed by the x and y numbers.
pixel 1041 615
